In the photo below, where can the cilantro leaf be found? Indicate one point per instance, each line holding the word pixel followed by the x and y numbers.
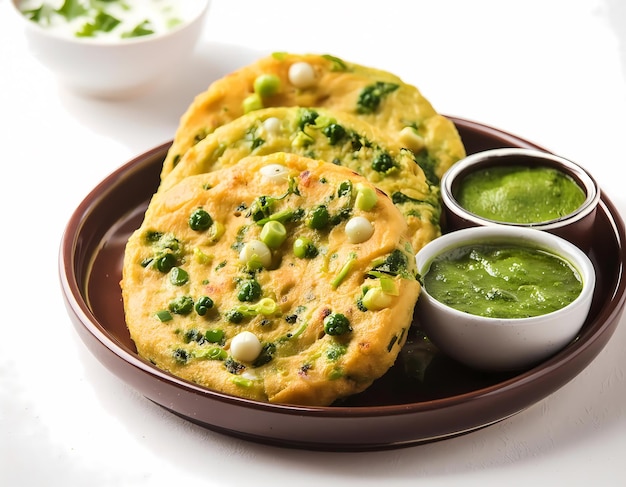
pixel 72 9
pixel 40 15
pixel 142 29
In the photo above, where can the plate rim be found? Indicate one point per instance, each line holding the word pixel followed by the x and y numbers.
pixel 87 321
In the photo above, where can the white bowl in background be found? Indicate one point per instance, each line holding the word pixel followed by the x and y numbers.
pixel 116 69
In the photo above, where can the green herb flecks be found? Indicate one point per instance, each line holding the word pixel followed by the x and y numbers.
pixel 306 116
pixel 254 140
pixel 182 305
pixel 72 9
pixel 96 18
pixel 142 29
pixel 265 307
pixel 266 355
pixel 371 96
pixel 103 22
pixel 428 165
pixel 167 251
pixel 181 356
pixel 41 15
pixel 395 264
pixel 399 198
pixel 335 133
pixel 261 208
pixel 345 270
pixel 338 64
pixel 335 351
pixel 383 163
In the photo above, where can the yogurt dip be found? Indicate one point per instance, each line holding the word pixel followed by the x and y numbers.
pixel 108 20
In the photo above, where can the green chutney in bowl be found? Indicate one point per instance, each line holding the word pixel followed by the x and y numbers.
pixel 524 188
pixel 503 297
pixel 520 194
pixel 502 280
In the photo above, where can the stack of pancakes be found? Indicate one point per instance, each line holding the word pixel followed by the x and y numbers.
pixel 276 259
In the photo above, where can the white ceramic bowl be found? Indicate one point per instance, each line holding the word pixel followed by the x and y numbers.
pixel 116 69
pixel 503 344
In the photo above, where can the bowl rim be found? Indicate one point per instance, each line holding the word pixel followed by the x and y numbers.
pixel 98 42
pixel 494 157
pixel 517 235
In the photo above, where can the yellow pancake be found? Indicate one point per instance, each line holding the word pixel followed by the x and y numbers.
pixel 336 137
pixel 397 108
pixel 215 293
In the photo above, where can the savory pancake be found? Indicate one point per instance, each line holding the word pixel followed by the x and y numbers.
pixel 336 137
pixel 380 98
pixel 280 278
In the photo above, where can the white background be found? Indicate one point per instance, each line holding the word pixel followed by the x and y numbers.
pixel 551 71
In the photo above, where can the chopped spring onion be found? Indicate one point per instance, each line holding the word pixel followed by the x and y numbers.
pixel 376 299
pixel 345 270
pixel 164 315
pixel 273 234
pixel 255 254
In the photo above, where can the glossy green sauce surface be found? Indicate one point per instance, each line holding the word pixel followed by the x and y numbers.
pixel 520 194
pixel 502 281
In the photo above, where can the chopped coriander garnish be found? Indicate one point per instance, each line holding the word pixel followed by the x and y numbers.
pixel 372 96
pixel 72 9
pixel 182 305
pixel 142 29
pixel 345 270
pixel 103 23
pixel 97 18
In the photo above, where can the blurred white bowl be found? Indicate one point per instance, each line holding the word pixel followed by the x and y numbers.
pixel 503 343
pixel 121 68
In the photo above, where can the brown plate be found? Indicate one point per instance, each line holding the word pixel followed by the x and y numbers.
pixel 424 397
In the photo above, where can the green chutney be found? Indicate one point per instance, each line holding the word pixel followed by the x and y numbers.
pixel 502 281
pixel 520 194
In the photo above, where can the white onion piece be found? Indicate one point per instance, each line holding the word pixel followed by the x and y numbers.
pixel 245 346
pixel 359 229
pixel 301 75
pixel 275 173
pixel 256 252
pixel 272 125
